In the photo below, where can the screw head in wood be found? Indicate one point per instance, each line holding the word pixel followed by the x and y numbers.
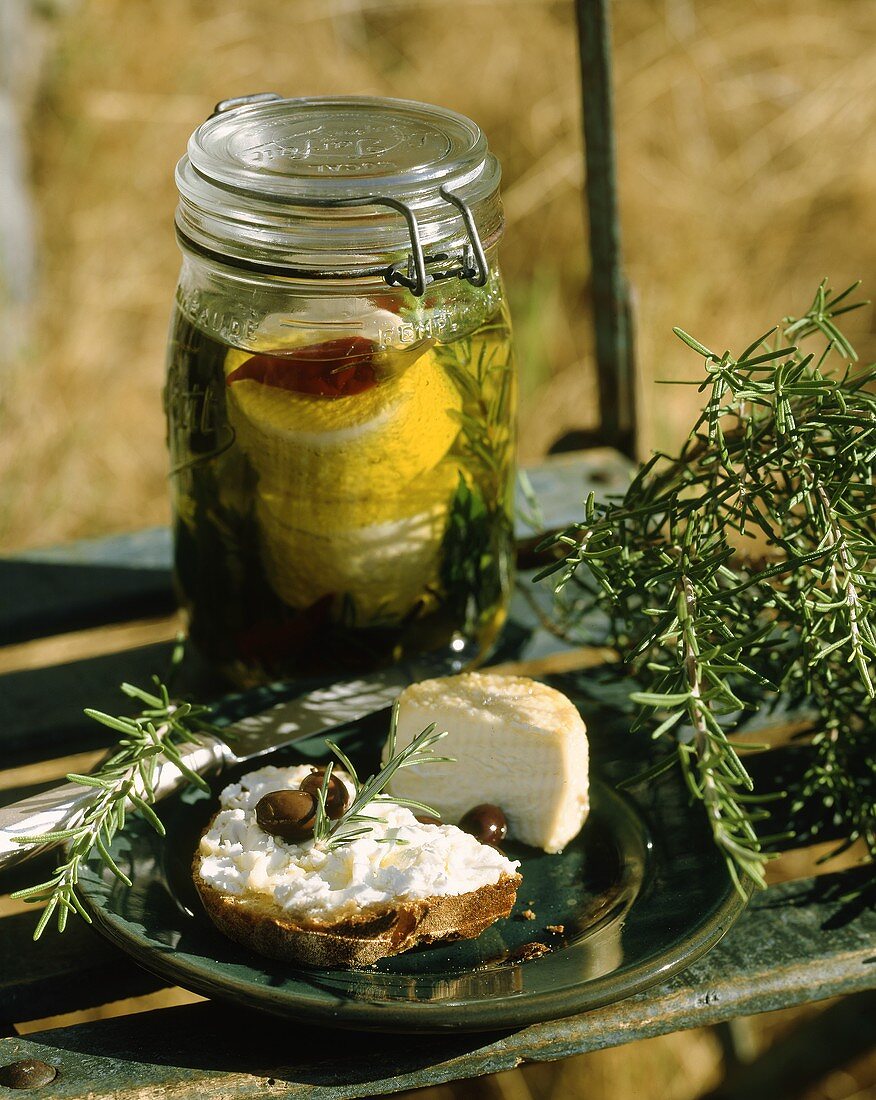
pixel 27 1073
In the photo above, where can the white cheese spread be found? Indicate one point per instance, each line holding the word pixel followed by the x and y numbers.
pixel 516 743
pixel 305 880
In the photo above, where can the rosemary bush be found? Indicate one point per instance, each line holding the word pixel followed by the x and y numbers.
pixel 739 572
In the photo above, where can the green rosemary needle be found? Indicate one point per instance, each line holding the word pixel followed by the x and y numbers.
pixel 354 822
pixel 125 780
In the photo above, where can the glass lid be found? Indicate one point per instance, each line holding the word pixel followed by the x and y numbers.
pixel 310 148
pixel 340 185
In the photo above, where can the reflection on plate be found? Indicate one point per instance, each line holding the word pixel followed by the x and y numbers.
pixel 636 897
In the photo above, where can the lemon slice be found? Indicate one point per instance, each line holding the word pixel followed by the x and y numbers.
pixel 336 448
pixel 353 492
pixel 382 567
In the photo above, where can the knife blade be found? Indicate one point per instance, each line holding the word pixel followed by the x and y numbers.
pixel 319 711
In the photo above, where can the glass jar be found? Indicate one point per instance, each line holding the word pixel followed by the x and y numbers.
pixel 341 388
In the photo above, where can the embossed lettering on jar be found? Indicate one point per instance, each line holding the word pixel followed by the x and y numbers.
pixel 341 388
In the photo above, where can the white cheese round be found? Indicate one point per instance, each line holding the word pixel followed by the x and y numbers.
pixel 516 743
pixel 306 880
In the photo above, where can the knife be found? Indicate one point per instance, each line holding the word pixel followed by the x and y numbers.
pixel 315 712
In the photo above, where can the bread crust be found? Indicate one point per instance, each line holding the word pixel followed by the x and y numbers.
pixel 361 939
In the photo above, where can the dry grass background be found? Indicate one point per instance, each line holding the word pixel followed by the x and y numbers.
pixel 747 148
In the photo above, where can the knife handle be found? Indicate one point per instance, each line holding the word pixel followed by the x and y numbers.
pixel 62 807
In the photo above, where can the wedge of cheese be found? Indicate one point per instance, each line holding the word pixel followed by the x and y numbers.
pixel 517 744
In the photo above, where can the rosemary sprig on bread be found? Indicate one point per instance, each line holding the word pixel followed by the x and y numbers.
pixel 353 822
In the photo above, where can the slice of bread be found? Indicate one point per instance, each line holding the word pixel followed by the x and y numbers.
pixel 402 884
pixel 374 933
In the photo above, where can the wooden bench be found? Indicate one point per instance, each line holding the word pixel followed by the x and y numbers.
pixel 798 941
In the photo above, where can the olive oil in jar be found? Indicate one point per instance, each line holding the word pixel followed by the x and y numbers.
pixel 339 505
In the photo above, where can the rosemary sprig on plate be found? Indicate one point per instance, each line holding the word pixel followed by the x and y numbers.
pixel 125 780
pixel 354 822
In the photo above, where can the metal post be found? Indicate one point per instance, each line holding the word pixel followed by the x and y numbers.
pixel 613 320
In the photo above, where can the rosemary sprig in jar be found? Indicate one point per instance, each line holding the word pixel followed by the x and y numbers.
pixel 740 571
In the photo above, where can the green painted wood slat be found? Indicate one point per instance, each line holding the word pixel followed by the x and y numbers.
pixel 66 973
pixel 789 948
pixel 85 584
pixel 41 710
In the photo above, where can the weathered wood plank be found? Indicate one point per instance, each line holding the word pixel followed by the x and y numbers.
pixel 792 946
pixel 41 710
pixel 562 483
pixel 85 584
pixel 64 973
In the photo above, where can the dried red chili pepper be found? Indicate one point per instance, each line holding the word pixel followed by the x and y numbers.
pixel 335 368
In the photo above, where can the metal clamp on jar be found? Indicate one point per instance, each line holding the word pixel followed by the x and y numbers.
pixel 341 388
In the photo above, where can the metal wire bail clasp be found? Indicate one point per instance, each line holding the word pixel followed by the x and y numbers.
pixel 419 269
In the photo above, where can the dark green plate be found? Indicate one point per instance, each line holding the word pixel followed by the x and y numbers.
pixel 637 897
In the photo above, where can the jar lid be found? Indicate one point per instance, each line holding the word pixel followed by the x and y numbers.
pixel 342 186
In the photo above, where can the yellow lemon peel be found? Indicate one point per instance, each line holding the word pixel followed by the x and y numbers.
pixel 352 493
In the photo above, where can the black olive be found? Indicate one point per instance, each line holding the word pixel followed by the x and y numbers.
pixel 486 823
pixel 290 815
pixel 336 797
